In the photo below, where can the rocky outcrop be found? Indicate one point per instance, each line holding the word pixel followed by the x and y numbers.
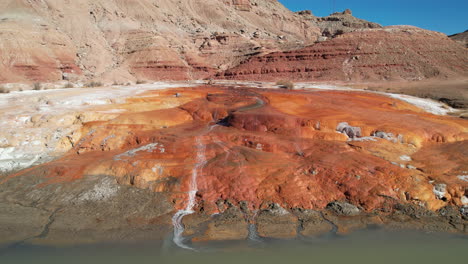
pixel 338 23
pixel 343 208
pixel 243 5
pixel 391 53
pixel 462 38
pixel 141 39
pixel 120 41
pixel 35 51
pixel 276 222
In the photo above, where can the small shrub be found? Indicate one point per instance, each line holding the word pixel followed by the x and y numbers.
pixel 94 84
pixel 285 84
pixel 69 85
pixel 4 90
pixel 115 83
pixel 37 86
pixel 140 82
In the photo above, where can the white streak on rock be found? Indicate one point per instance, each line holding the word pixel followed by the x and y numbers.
pixel 464 200
pixel 405 158
pixel 11 160
pixel 427 105
pixel 463 177
pixel 362 139
pixel 158 169
pixel 133 152
pixel 440 190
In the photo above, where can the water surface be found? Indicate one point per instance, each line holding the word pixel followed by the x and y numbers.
pixel 370 246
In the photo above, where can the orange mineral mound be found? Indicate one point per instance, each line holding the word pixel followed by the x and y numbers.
pixel 300 149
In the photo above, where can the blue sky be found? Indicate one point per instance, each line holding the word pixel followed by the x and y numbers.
pixel 447 16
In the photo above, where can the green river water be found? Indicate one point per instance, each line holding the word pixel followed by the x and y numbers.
pixel 370 246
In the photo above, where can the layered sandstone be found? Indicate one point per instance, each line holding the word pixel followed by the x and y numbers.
pixel 462 38
pixel 117 40
pixel 338 23
pixel 34 51
pixel 391 53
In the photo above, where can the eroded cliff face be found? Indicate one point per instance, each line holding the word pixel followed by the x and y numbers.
pixel 461 38
pixel 34 50
pixel 392 53
pixel 118 41
pixel 140 39
pixel 337 23
pixel 244 5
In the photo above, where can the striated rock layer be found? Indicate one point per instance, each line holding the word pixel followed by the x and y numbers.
pixel 337 23
pixel 391 53
pixel 118 40
pixel 462 38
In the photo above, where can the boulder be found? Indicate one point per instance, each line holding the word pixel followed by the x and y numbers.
pixel 343 208
pixel 350 131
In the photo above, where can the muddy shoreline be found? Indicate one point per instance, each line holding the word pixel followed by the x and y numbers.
pixel 96 209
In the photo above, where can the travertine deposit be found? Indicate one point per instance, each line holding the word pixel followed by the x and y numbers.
pixel 37 126
pixel 275 159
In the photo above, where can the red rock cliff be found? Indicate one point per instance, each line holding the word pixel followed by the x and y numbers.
pixel 392 53
pixel 118 40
